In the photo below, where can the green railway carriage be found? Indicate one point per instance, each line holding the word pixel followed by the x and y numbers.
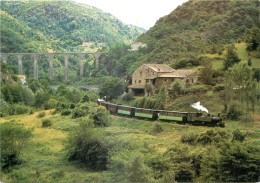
pixel 193 118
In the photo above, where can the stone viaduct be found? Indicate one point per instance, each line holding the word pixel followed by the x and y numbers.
pixel 50 56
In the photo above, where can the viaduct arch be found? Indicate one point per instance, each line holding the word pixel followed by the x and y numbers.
pixel 50 57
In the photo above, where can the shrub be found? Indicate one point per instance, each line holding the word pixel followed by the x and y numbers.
pixel 128 96
pixel 219 87
pixel 189 138
pixel 234 111
pixel 50 104
pixel 85 99
pixel 157 128
pixel 78 112
pixel 41 114
pixel 194 90
pixel 66 112
pixel 13 109
pixel 46 123
pixel 13 138
pixel 101 117
pixel 84 145
pixel 238 136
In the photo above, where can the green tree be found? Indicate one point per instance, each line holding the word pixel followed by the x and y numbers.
pixel 112 88
pixel 206 72
pixel 137 170
pixel 252 37
pixel 41 97
pixel 148 89
pixel 239 163
pixel 13 140
pixel 249 61
pixel 84 145
pixel 101 117
pixel 161 97
pixel 231 58
pixel 177 88
pixel 257 75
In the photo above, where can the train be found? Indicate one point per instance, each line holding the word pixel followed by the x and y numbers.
pixel 193 118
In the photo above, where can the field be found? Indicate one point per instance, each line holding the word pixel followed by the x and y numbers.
pixel 240 48
pixel 44 157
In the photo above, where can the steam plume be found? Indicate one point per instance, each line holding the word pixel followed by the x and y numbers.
pixel 199 107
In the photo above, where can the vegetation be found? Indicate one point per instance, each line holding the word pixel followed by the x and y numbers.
pixel 13 140
pixel 83 143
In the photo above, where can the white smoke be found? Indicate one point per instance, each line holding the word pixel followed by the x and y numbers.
pixel 199 107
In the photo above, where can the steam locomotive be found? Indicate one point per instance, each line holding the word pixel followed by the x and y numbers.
pixel 193 118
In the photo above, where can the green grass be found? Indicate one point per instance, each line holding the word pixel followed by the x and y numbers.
pixel 44 159
pixel 243 54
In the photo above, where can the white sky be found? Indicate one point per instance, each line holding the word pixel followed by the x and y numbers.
pixel 142 13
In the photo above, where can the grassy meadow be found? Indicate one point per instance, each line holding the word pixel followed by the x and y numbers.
pixel 44 156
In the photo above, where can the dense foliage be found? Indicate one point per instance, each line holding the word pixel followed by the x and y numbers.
pixel 13 139
pixel 201 26
pixel 70 23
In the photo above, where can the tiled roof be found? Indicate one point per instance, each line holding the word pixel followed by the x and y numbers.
pixel 177 74
pixel 160 67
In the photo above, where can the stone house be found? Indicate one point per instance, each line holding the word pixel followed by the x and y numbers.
pixel 156 74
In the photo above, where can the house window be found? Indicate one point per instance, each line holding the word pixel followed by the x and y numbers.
pixel 140 81
pixel 135 81
pixel 153 81
pixel 141 73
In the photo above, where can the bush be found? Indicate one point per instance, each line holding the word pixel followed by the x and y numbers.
pixel 219 87
pixel 234 111
pixel 50 104
pixel 157 128
pixel 66 112
pixel 14 109
pixel 13 138
pixel 85 99
pixel 85 146
pixel 128 97
pixel 78 112
pixel 238 136
pixel 194 90
pixel 41 114
pixel 46 123
pixel 101 117
pixel 189 138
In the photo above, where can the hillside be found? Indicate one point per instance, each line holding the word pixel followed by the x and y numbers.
pixel 18 37
pixel 199 27
pixel 69 24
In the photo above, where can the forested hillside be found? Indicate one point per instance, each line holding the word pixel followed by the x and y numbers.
pixel 68 24
pixel 17 37
pixel 199 27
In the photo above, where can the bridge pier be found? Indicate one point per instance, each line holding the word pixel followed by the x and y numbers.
pixel 20 64
pixel 51 57
pixel 35 67
pixel 66 63
pixel 96 55
pixel 4 57
pixel 81 66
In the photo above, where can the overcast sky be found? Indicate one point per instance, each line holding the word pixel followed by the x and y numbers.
pixel 142 13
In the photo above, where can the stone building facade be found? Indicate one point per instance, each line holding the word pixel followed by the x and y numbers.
pixel 156 74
